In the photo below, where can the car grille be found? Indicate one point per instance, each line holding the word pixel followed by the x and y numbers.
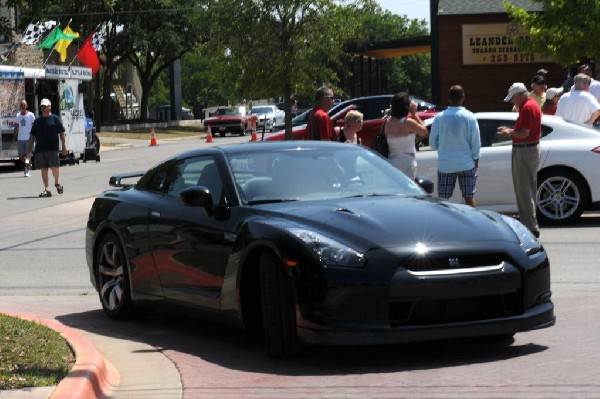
pixel 431 263
pixel 455 310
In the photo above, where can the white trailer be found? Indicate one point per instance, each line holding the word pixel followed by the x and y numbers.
pixel 60 84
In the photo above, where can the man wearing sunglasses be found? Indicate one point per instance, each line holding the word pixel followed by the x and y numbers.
pixel 319 126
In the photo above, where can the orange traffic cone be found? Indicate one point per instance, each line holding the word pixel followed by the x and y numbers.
pixel 152 138
pixel 254 136
pixel 209 138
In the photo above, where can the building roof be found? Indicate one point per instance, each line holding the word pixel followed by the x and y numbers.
pixel 470 7
pixel 393 48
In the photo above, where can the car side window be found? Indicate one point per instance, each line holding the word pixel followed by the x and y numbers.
pixel 157 179
pixel 374 108
pixel 488 129
pixel 196 171
pixel 546 130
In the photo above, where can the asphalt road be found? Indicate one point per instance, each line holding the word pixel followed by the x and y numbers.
pixel 42 267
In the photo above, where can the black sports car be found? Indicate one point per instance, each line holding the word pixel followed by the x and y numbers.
pixel 313 242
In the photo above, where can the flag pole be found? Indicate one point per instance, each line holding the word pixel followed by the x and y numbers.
pixel 52 49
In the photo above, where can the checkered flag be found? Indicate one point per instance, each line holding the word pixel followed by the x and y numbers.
pixel 98 40
pixel 35 32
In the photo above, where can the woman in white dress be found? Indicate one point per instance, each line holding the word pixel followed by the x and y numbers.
pixel 401 131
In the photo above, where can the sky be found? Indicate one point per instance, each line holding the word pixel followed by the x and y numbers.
pixel 418 9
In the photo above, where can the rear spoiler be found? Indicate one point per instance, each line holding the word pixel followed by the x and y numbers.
pixel 115 180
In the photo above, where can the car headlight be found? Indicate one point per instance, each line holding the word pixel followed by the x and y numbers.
pixel 527 240
pixel 329 251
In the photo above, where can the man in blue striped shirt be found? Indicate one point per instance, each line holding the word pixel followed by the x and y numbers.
pixel 455 136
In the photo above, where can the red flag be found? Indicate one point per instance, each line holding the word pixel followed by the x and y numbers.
pixel 87 55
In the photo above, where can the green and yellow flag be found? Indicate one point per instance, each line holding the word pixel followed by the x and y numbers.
pixel 54 37
pixel 61 46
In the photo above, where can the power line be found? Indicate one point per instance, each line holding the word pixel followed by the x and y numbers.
pixel 123 12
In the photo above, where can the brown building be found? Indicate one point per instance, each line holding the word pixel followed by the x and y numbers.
pixel 471 45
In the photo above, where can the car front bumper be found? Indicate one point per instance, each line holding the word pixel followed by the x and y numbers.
pixel 541 316
pixel 407 306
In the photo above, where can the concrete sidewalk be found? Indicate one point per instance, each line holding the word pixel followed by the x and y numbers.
pixel 106 367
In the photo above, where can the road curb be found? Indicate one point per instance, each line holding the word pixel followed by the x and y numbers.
pixel 92 376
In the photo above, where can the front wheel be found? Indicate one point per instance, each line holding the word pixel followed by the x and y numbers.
pixel 112 278
pixel 561 197
pixel 278 306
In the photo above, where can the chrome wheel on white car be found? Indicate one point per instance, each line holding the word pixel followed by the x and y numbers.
pixel 561 197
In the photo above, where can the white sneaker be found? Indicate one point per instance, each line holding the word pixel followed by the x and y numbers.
pixel 27 173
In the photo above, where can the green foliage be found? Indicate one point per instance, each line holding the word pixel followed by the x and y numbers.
pixel 566 30
pixel 31 355
pixel 367 23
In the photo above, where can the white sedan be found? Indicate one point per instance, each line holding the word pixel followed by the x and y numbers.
pixel 568 177
pixel 268 116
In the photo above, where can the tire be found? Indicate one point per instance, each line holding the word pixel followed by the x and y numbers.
pixel 96 144
pixel 279 310
pixel 561 197
pixel 112 277
pixel 222 134
pixel 243 132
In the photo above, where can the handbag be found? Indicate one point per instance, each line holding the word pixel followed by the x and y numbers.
pixel 380 143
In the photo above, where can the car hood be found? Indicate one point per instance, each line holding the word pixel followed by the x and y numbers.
pixel 391 221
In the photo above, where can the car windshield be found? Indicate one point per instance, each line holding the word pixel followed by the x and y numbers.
pixel 277 175
pixel 261 110
pixel 228 111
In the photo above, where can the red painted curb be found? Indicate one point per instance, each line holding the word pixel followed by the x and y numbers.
pixel 92 376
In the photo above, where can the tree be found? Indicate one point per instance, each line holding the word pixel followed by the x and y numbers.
pixel 367 23
pixel 163 33
pixel 278 46
pixel 566 30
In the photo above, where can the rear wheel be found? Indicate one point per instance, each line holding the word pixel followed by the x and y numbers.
pixel 279 310
pixel 561 196
pixel 113 278
pixel 96 145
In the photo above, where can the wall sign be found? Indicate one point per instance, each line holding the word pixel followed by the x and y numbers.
pixel 485 44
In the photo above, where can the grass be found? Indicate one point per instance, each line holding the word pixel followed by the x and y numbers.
pixel 31 355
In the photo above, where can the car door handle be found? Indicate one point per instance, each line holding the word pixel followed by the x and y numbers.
pixel 155 214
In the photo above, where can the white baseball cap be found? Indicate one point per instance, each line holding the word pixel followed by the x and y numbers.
pixel 553 92
pixel 45 102
pixel 516 87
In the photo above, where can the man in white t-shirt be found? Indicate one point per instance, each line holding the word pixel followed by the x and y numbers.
pixel 23 123
pixel 579 105
pixel 594 88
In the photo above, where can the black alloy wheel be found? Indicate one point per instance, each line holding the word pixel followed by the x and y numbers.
pixel 113 278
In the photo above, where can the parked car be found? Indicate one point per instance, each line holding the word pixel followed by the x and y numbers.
pixel 268 116
pixel 236 120
pixel 568 177
pixel 312 242
pixel 300 119
pixel 374 108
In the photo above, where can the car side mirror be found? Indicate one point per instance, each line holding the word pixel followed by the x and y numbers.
pixel 425 183
pixel 198 196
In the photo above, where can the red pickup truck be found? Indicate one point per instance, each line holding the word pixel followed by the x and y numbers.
pixel 373 109
pixel 236 119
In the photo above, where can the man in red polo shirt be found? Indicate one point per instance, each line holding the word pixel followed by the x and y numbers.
pixel 319 126
pixel 525 136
